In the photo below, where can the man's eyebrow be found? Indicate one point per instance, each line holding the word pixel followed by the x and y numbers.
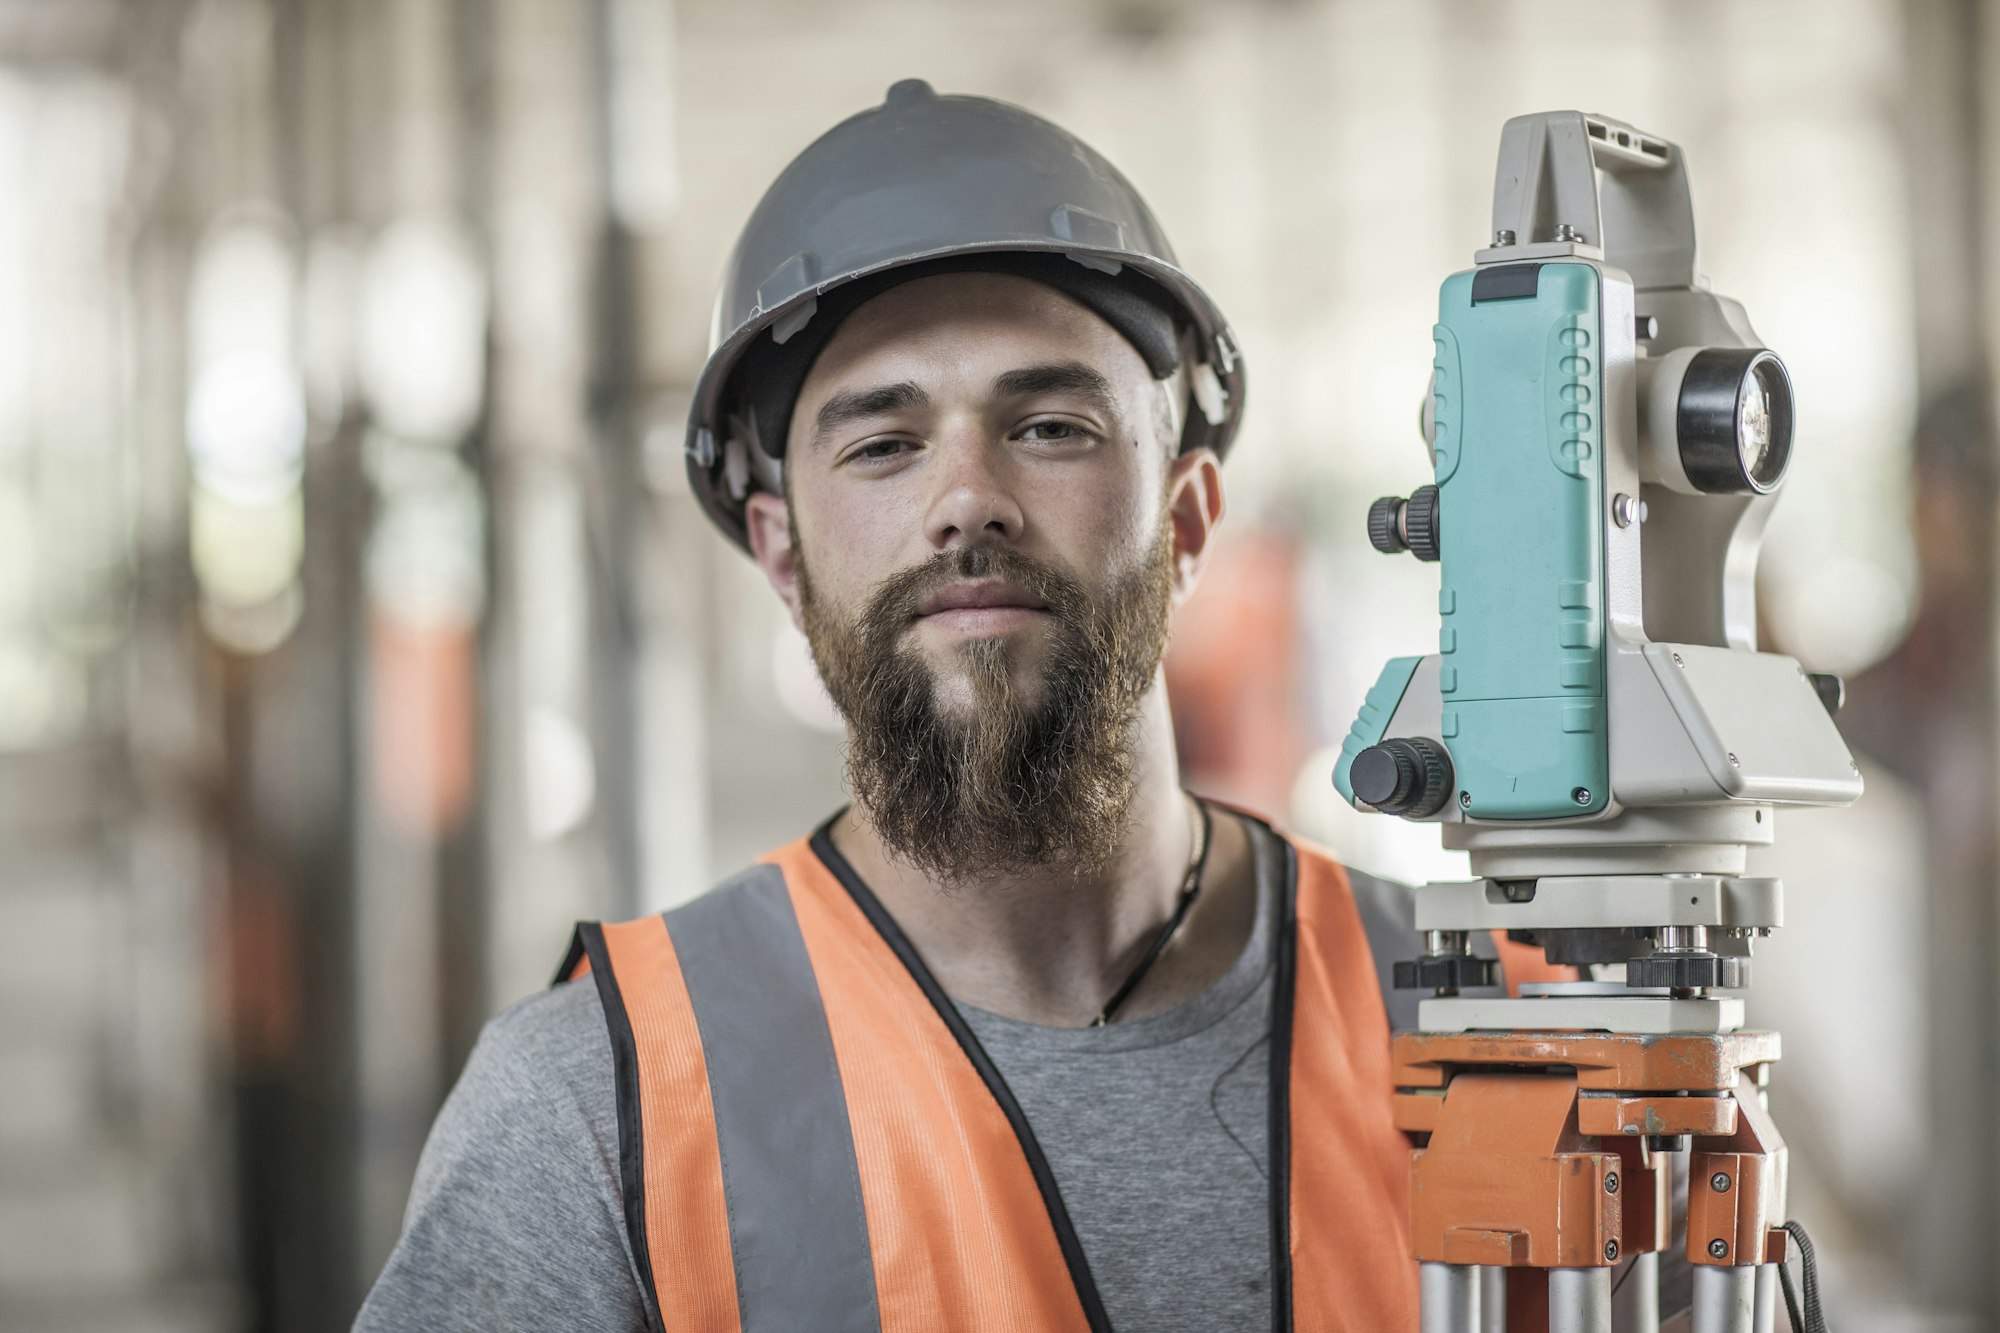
pixel 851 405
pixel 1071 377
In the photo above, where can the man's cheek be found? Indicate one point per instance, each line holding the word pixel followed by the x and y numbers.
pixel 1094 533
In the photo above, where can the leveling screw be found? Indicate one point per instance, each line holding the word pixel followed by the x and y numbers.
pixel 1718 1249
pixel 1610 1251
pixel 1719 1182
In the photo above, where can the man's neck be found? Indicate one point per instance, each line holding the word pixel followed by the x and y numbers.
pixel 1051 949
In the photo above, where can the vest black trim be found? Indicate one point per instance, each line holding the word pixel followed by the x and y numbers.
pixel 631 1147
pixel 1045 1181
pixel 1284 983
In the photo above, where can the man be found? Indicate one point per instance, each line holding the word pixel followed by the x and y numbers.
pixel 1027 1037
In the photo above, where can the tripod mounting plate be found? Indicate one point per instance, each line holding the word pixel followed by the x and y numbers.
pixel 1584 1015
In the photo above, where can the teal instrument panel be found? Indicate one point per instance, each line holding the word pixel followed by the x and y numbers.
pixel 1519 396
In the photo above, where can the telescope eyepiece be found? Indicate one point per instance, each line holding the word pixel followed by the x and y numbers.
pixel 1733 421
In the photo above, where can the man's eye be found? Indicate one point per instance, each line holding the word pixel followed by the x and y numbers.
pixel 1051 431
pixel 877 450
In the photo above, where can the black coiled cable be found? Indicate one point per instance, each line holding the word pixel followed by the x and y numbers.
pixel 1812 1319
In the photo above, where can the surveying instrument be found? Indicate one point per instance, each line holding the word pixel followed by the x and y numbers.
pixel 1598 730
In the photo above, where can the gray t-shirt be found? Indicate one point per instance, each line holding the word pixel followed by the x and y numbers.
pixel 515 1219
pixel 1155 1131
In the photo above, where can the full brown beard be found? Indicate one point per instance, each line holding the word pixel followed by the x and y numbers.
pixel 1025 780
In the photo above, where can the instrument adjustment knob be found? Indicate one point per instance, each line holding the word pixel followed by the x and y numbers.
pixel 1420 523
pixel 1396 525
pixel 1409 777
pixel 1385 521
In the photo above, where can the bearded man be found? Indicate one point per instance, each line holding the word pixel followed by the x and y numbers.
pixel 1027 1037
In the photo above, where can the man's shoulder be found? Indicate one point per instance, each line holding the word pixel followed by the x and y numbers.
pixel 547 1054
pixel 516 1216
pixel 549 1025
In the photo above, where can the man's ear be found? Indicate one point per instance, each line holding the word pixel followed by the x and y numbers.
pixel 769 520
pixel 1194 507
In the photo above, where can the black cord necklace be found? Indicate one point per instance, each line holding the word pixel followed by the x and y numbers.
pixel 1190 890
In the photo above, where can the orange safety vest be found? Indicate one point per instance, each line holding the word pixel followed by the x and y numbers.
pixel 812 1138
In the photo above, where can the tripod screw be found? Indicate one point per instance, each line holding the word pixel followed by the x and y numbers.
pixel 1690 970
pixel 1610 1182
pixel 1610 1251
pixel 1447 974
pixel 1718 1249
pixel 1719 1182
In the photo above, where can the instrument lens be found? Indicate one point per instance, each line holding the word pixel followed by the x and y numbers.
pixel 1764 423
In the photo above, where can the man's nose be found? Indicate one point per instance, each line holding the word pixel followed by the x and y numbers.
pixel 974 500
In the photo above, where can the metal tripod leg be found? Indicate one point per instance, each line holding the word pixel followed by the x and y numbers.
pixel 1765 1317
pixel 1492 1299
pixel 1468 1298
pixel 1635 1298
pixel 1579 1300
pixel 1450 1295
pixel 1725 1299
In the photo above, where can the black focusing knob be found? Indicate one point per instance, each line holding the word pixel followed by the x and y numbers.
pixel 1420 523
pixel 1396 525
pixel 1385 520
pixel 1402 777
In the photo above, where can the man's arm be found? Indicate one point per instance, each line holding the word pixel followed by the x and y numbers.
pixel 515 1219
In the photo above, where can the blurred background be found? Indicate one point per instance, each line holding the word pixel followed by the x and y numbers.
pixel 358 631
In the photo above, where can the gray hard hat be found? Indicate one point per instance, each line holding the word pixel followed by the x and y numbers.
pixel 919 179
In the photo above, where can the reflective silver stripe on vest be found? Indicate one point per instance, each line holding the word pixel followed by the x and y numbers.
pixel 796 1227
pixel 1389 919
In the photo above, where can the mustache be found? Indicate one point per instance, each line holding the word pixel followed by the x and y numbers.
pixel 899 599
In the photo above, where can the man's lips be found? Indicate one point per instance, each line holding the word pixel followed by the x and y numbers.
pixel 983 595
